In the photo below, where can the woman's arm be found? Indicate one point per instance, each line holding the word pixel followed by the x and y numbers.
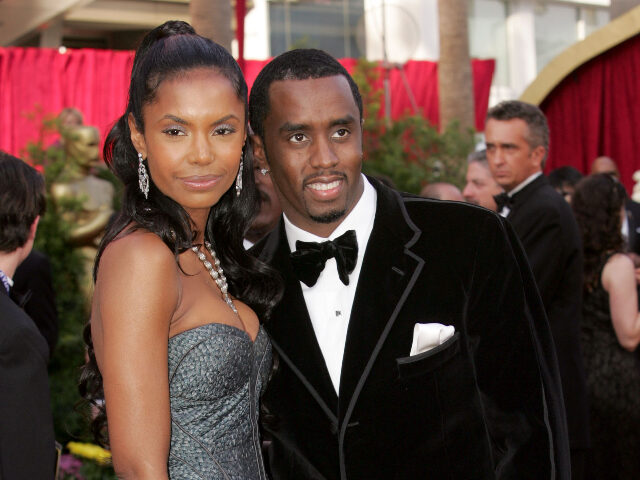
pixel 618 279
pixel 136 295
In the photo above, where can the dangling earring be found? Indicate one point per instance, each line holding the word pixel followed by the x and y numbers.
pixel 239 177
pixel 143 178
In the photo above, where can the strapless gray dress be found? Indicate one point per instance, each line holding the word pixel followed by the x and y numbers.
pixel 216 376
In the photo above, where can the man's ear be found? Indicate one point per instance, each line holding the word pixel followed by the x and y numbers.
pixel 537 154
pixel 137 138
pixel 259 153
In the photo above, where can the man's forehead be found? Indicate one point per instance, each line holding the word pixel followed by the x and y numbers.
pixel 301 91
pixel 512 126
pixel 310 103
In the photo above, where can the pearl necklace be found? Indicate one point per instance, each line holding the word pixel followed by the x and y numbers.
pixel 216 273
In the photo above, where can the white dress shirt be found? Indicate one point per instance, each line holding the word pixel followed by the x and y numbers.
pixel 505 210
pixel 329 301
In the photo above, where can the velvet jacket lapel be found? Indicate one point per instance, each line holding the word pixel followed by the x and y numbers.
pixel 387 276
pixel 291 331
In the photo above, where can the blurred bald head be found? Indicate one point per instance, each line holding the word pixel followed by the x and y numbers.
pixel 442 191
pixel 605 165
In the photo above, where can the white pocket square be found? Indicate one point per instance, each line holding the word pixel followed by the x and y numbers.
pixel 429 335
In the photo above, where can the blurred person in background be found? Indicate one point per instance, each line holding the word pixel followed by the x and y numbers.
pixel 610 330
pixel 631 221
pixel 564 180
pixel 517 139
pixel 442 191
pixel 270 210
pixel 27 444
pixel 481 187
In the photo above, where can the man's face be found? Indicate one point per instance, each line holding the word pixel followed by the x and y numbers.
pixel 313 144
pixel 481 187
pixel 510 157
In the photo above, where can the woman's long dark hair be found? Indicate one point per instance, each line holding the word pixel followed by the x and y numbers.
pixel 173 49
pixel 596 204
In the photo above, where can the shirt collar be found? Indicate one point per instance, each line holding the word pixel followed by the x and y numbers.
pixel 529 179
pixel 6 281
pixel 359 219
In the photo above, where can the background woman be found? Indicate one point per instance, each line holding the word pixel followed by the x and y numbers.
pixel 176 348
pixel 610 330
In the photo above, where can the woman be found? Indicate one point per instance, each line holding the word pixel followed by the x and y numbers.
pixel 176 349
pixel 610 330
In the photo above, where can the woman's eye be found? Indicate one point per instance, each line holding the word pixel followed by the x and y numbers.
pixel 173 132
pixel 224 130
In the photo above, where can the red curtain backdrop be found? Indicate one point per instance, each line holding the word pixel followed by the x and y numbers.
pixel 35 82
pixel 596 111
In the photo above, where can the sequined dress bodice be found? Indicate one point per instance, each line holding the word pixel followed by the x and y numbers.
pixel 216 376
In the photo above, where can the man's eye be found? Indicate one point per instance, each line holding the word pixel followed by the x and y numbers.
pixel 343 132
pixel 298 137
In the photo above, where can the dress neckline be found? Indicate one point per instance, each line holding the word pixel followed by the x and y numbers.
pixel 233 328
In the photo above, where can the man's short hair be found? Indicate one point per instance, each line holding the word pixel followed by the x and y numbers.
pixel 562 176
pixel 22 199
pixel 479 156
pixel 531 115
pixel 300 64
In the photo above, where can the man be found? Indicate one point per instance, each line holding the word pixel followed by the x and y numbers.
pixel 564 180
pixel 481 187
pixel 442 191
pixel 420 349
pixel 27 444
pixel 517 139
pixel 631 222
pixel 269 214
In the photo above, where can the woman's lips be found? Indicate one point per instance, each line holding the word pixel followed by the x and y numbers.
pixel 200 182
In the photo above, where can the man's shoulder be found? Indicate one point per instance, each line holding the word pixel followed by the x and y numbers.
pixel 18 329
pixel 546 204
pixel 427 212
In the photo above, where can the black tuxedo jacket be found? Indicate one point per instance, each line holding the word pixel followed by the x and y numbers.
pixel 483 405
pixel 549 234
pixel 33 291
pixel 27 443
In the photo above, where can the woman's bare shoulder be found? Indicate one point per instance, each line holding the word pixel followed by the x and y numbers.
pixel 619 261
pixel 139 259
pixel 618 270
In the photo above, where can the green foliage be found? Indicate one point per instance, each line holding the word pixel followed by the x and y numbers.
pixel 67 268
pixel 408 150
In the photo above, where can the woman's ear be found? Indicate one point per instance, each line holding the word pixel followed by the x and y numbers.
pixel 137 138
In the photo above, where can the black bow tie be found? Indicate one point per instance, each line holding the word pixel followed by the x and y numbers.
pixel 309 258
pixel 503 200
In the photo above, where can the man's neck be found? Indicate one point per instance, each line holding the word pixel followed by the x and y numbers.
pixel 524 183
pixel 9 262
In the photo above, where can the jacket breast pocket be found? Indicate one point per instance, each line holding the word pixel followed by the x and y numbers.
pixel 430 360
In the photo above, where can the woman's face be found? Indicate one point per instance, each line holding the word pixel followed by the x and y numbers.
pixel 193 135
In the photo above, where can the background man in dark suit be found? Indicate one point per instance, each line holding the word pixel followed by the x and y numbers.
pixel 27 444
pixel 517 138
pixel 33 292
pixel 358 392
